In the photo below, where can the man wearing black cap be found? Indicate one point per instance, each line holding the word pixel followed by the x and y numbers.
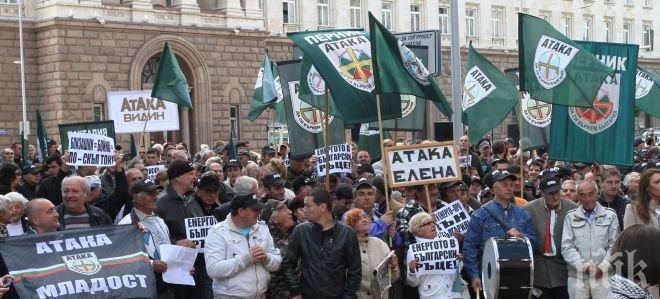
pixel 548 214
pixel 364 171
pixel 208 187
pixel 273 187
pixel 176 205
pixel 145 194
pixel 232 170
pixel 29 181
pixel 501 217
pixel 267 153
pixel 485 154
pixel 364 194
pixel 240 252
pixel 301 187
pixel 280 223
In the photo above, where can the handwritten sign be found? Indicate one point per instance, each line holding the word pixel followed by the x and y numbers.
pixel 91 150
pixel 131 109
pixel 466 160
pixel 421 164
pixel 197 228
pixel 341 159
pixel 437 256
pixel 451 218
pixel 152 171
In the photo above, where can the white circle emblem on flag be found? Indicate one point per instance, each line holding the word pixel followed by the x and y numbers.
pixel 413 65
pixel 551 58
pixel 643 85
pixel 604 113
pixel 315 82
pixel 477 86
pixel 351 58
pixel 535 112
pixel 408 104
pixel 308 117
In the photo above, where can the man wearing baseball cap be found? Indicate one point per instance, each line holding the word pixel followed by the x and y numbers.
pixel 485 154
pixel 232 170
pixel 550 272
pixel 175 206
pixel 267 153
pixel 29 181
pixel 503 220
pixel 280 223
pixel 273 187
pixel 240 253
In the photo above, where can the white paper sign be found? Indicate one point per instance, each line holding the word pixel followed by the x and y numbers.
pixel 152 171
pixel 91 150
pixel 451 218
pixel 180 260
pixel 130 110
pixel 341 159
pixel 420 164
pixel 466 160
pixel 436 257
pixel 197 228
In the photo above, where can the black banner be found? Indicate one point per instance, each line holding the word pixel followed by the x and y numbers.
pixel 103 128
pixel 103 262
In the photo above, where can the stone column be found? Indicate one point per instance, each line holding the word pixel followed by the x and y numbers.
pixel 185 126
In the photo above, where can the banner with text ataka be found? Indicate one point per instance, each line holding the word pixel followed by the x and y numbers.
pixel 104 262
pixel 421 164
pixel 131 109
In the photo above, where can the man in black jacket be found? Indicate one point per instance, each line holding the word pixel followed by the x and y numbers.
pixel 51 186
pixel 328 253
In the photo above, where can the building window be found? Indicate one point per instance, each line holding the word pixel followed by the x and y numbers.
pixel 648 3
pixel 497 23
pixel 588 28
pixel 609 30
pixel 627 34
pixel 546 16
pixel 289 11
pixel 415 17
pixel 386 15
pixel 471 22
pixel 99 111
pixel 443 16
pixel 646 35
pixel 627 2
pixel 355 13
pixel 323 13
pixel 567 25
pixel 233 119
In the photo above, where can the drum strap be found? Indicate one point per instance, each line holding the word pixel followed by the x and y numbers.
pixel 497 219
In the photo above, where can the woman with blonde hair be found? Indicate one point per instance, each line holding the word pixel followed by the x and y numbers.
pixel 277 166
pixel 646 208
pixel 422 226
pixel 373 252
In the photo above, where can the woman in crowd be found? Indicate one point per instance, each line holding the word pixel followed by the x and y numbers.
pixel 645 210
pixel 18 224
pixel 5 215
pixel 373 251
pixel 636 245
pixel 422 226
pixel 10 177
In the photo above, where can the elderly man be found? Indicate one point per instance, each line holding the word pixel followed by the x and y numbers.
pixel 42 216
pixel 569 190
pixel 499 218
pixel 75 212
pixel 240 252
pixel 7 155
pixel 589 233
pixel 550 273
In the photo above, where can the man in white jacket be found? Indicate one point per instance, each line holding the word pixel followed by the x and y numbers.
pixel 240 252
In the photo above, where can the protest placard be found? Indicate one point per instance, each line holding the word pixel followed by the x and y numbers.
pixel 437 256
pixel 131 109
pixel 197 228
pixel 420 164
pixel 91 150
pixel 103 128
pixel 98 262
pixel 382 278
pixel 451 218
pixel 341 159
pixel 466 160
pixel 153 170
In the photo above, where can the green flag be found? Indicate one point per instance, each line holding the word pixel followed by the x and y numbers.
pixel 647 92
pixel 343 59
pixel 370 141
pixel 555 69
pixel 604 133
pixel 312 88
pixel 398 71
pixel 134 149
pixel 305 122
pixel 535 117
pixel 488 96
pixel 413 116
pixel 170 84
pixel 42 139
pixel 267 90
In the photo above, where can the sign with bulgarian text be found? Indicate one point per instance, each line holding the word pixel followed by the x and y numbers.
pixel 420 164
pixel 451 218
pixel 437 256
pixel 153 170
pixel 103 262
pixel 91 150
pixel 340 158
pixel 197 228
pixel 103 128
pixel 132 109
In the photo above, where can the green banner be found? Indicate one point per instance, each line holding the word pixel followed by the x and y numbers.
pixel 647 92
pixel 305 122
pixel 370 141
pixel 535 117
pixel 413 112
pixel 604 133
pixel 103 128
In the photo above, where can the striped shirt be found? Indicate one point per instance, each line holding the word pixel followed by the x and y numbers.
pixel 76 221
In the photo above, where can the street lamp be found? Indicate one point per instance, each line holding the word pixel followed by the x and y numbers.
pixel 24 127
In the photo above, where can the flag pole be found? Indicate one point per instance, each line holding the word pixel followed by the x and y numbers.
pixel 520 144
pixel 325 141
pixel 428 197
pixel 382 153
pixel 144 128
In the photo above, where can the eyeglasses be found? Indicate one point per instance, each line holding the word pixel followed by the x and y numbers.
pixel 427 223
